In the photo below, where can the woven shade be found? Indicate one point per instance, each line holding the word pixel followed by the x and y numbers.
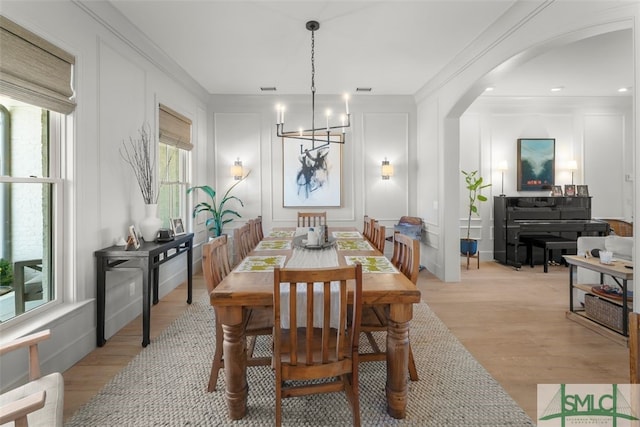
pixel 175 129
pixel 34 71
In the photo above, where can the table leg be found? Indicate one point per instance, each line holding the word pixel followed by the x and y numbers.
pixel 147 269
pixel 100 298
pixel 155 272
pixel 235 360
pixel 190 272
pixel 398 358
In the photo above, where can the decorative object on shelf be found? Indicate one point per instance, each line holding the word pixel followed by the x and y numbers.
pixel 556 191
pixel 141 156
pixel 387 169
pixel 218 212
pixel 132 240
pixel 502 167
pixel 572 166
pixel 236 170
pixel 177 227
pixel 318 137
pixel 582 191
pixel 536 163
pixel 474 183
pixel 150 224
pixel 569 190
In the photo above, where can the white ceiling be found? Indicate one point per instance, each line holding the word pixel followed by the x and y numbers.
pixel 394 47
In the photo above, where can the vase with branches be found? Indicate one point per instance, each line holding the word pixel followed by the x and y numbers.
pixel 219 213
pixel 140 154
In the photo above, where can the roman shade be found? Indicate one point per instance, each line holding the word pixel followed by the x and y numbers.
pixel 34 71
pixel 175 129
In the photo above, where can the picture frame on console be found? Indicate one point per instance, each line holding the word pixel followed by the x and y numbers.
pixel 556 191
pixel 569 190
pixel 132 240
pixel 177 227
pixel 582 191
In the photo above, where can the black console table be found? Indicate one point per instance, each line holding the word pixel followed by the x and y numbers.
pixel 147 258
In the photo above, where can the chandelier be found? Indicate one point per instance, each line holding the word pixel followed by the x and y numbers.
pixel 318 137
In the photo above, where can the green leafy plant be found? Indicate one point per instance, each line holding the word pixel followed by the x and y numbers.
pixel 474 183
pixel 6 273
pixel 217 211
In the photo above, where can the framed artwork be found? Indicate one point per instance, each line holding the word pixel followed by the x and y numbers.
pixel 556 190
pixel 177 226
pixel 132 240
pixel 582 191
pixel 536 163
pixel 312 176
pixel 569 190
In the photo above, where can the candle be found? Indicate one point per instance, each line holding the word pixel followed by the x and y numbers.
pixel 328 115
pixel 346 103
pixel 282 115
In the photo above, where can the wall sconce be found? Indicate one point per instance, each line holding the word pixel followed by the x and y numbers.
pixel 236 170
pixel 502 167
pixel 387 169
pixel 572 166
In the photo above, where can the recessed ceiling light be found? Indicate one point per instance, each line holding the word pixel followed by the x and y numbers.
pixel 363 89
pixel 557 88
pixel 268 88
pixel 489 89
pixel 623 89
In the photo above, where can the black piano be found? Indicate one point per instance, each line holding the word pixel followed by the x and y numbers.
pixel 515 217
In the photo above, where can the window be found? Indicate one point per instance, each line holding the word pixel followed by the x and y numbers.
pixel 173 168
pixel 35 95
pixel 30 197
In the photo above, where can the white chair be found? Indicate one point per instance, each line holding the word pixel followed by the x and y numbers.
pixel 39 402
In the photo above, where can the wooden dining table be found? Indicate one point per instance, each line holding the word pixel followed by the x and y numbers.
pixel 242 290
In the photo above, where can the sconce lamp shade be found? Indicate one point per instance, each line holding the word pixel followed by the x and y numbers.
pixel 236 170
pixel 503 166
pixel 387 169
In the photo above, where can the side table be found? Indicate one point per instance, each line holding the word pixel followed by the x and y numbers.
pixel 147 258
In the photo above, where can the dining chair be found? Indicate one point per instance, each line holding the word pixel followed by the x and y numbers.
pixel 242 242
pixel 253 234
pixel 378 238
pixel 259 321
pixel 367 230
pixel 313 339
pixel 39 402
pixel 406 258
pixel 634 347
pixel 257 228
pixel 312 219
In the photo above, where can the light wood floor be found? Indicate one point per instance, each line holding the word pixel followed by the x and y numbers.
pixel 513 322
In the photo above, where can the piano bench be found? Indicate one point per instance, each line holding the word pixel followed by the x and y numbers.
pixel 548 243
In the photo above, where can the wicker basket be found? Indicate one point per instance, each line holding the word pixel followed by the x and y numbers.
pixel 603 311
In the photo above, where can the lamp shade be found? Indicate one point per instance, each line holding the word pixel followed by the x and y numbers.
pixel 387 169
pixel 572 165
pixel 236 170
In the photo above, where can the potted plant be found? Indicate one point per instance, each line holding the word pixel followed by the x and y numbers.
pixel 218 212
pixel 474 183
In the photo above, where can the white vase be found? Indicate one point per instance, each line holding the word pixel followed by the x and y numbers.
pixel 150 225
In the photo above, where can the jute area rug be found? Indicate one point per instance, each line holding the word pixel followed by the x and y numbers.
pixel 165 385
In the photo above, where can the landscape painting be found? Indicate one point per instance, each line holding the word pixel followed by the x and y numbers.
pixel 536 164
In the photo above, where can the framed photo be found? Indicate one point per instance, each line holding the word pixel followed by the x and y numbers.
pixel 583 191
pixel 536 163
pixel 132 240
pixel 569 190
pixel 312 176
pixel 556 190
pixel 177 226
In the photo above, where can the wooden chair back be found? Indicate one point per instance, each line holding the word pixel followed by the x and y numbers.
pixel 620 227
pixel 379 236
pixel 634 348
pixel 406 255
pixel 318 349
pixel 257 229
pixel 367 229
pixel 215 261
pixel 242 242
pixel 312 219
pixel 253 233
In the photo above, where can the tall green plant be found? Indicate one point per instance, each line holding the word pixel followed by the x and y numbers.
pixel 474 185
pixel 218 212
